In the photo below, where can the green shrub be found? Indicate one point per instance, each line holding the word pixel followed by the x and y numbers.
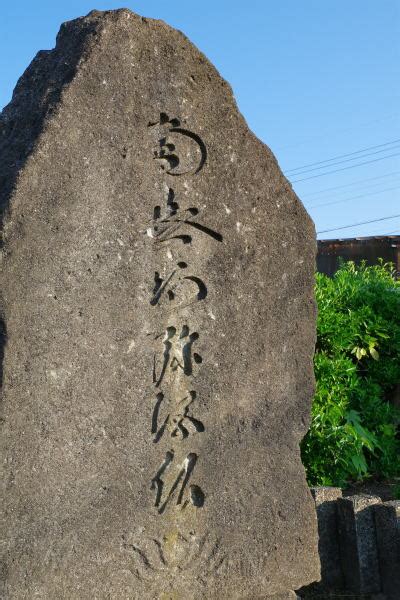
pixel 357 364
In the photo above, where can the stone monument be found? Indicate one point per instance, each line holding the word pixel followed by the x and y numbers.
pixel 158 331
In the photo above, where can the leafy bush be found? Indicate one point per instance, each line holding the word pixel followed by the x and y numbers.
pixel 357 363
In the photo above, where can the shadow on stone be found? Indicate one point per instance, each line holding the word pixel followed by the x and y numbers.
pixel 357 540
pixel 37 93
pixel 3 341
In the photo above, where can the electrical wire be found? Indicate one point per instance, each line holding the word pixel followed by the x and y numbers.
pixel 321 162
pixel 339 187
pixel 367 162
pixel 378 231
pixel 341 162
pixel 354 197
pixel 361 223
pixel 375 235
pixel 325 134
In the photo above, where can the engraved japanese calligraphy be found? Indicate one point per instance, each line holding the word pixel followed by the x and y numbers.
pixel 172 158
pixel 173 367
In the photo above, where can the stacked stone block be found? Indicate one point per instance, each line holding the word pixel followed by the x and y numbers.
pixel 359 544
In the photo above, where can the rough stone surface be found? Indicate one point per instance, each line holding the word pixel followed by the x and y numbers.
pixel 157 296
pixel 387 520
pixel 284 596
pixel 325 499
pixel 358 549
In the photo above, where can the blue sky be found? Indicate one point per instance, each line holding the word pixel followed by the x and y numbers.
pixel 315 79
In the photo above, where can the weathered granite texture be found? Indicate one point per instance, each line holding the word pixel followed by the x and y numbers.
pixel 325 499
pixel 387 521
pixel 157 292
pixel 284 596
pixel 358 546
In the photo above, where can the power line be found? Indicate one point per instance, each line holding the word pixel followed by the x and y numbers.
pixel 355 197
pixel 341 162
pixel 326 133
pixel 339 187
pixel 321 162
pixel 367 162
pixel 378 230
pixel 356 224
pixel 375 235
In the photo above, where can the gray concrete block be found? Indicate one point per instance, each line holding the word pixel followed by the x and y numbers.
pixel 328 544
pixel 357 540
pixel 387 521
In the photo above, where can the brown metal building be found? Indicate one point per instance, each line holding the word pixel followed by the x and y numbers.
pixel 369 249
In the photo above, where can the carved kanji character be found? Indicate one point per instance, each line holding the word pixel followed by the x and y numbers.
pixel 178 422
pixel 177 486
pixel 172 286
pixel 180 151
pixel 168 222
pixel 178 353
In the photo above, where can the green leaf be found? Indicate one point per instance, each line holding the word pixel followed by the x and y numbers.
pixel 374 353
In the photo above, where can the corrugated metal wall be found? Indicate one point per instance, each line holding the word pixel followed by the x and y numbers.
pixel 369 249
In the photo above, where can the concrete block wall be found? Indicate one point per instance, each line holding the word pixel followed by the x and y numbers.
pixel 359 543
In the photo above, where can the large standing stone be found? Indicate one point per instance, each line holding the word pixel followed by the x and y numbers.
pixel 157 281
